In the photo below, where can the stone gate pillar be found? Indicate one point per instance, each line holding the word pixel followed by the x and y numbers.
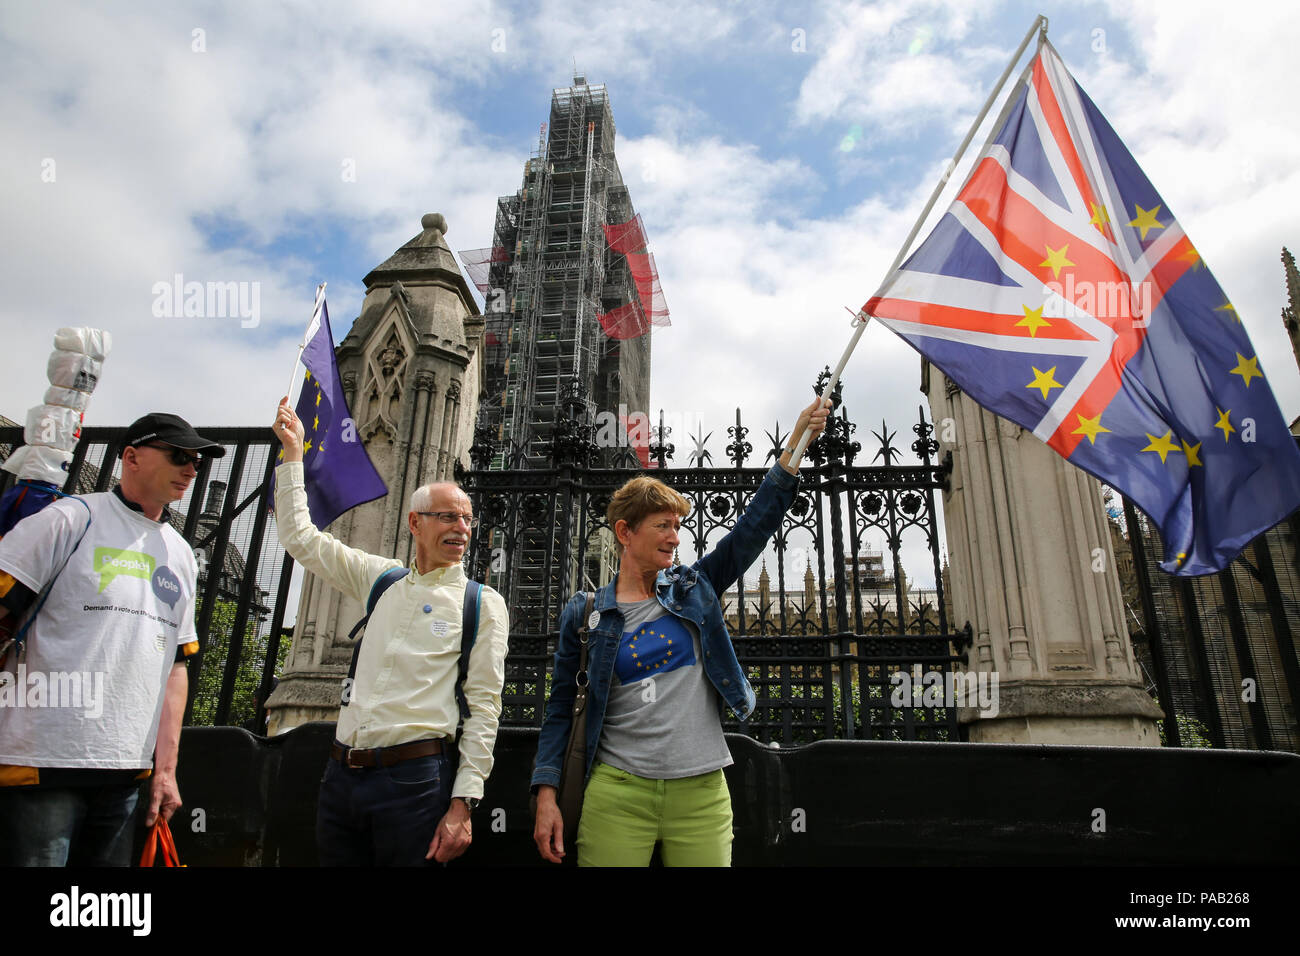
pixel 1033 570
pixel 411 370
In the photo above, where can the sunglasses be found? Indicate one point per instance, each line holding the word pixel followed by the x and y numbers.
pixel 178 456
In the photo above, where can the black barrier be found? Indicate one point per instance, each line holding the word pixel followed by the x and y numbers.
pixel 251 801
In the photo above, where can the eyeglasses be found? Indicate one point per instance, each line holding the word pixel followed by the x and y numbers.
pixel 178 456
pixel 450 517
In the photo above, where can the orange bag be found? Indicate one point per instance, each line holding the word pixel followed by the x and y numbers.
pixel 160 834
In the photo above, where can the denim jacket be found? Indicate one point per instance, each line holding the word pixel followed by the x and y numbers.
pixel 687 592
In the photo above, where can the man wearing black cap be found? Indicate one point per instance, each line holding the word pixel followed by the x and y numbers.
pixel 96 696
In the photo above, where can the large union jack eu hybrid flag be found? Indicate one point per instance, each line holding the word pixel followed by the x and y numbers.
pixel 1060 292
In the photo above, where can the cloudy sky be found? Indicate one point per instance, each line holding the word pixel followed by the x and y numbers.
pixel 778 153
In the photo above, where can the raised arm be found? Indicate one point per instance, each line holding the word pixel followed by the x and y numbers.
pixel 350 570
pixel 741 546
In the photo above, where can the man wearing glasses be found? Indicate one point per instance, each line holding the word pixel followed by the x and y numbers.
pixel 96 696
pixel 390 795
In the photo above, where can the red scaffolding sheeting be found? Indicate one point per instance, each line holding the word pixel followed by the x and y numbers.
pixel 478 262
pixel 650 307
pixel 625 322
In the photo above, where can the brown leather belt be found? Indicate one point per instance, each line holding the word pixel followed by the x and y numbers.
pixel 385 756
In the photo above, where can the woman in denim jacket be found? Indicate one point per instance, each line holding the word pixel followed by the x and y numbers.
pixel 660 662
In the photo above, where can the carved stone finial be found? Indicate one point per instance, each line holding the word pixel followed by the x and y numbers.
pixel 434 220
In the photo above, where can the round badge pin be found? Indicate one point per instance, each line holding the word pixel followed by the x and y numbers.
pixel 593 620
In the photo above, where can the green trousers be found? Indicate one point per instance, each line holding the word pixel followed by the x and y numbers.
pixel 624 816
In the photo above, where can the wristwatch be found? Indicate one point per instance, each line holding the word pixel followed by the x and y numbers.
pixel 471 802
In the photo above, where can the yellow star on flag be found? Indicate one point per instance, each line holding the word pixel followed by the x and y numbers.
pixel 307 376
pixel 316 423
pixel 1044 381
pixel 1033 320
pixel 306 446
pixel 1223 422
pixel 1089 427
pixel 1162 445
pixel 1146 220
pixel 1192 256
pixel 1190 451
pixel 1228 307
pixel 1056 260
pixel 1247 368
pixel 318 397
pixel 1100 217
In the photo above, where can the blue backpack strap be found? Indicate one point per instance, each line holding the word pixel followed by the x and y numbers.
pixel 468 635
pixel 19 639
pixel 382 584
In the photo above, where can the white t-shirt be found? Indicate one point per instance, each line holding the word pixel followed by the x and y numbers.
pixel 90 691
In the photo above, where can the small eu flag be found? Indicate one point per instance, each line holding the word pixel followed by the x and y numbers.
pixel 336 469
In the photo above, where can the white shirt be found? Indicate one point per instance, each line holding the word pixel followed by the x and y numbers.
pixel 101 648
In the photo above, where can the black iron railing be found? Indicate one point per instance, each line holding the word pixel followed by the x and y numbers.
pixel 823 632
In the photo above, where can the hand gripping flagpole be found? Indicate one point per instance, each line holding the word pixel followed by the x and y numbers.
pixel 861 319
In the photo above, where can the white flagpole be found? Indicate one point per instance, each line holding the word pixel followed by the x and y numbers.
pixel 860 320
pixel 306 337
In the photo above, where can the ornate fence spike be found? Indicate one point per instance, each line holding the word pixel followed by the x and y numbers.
pixel 887 449
pixel 838 438
pixel 700 457
pixel 837 394
pixel 739 449
pixel 778 438
pixel 925 446
pixel 660 449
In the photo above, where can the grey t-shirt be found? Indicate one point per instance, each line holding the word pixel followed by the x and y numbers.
pixel 662 719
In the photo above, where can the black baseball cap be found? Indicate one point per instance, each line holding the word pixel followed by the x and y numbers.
pixel 171 430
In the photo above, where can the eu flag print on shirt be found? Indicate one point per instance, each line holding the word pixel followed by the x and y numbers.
pixel 654 648
pixel 1060 291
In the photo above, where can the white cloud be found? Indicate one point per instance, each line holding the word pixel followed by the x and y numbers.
pixel 151 141
pixel 881 65
pixel 625 37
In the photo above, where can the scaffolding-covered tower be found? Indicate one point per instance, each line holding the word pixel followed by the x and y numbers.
pixel 551 275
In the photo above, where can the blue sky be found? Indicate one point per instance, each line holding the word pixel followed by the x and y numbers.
pixel 777 152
